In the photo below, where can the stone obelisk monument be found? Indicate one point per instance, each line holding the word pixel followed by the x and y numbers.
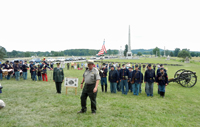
pixel 129 53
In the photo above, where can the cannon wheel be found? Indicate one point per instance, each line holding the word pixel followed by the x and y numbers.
pixel 187 79
pixel 175 75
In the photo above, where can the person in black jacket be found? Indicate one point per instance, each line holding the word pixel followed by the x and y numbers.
pixel 17 70
pixel 103 74
pixel 140 88
pixel 130 76
pixel 136 80
pixel 24 69
pixel 118 84
pixel 162 80
pixel 149 80
pixel 123 76
pixel 113 79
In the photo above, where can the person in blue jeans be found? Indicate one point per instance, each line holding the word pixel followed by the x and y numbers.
pixel 118 84
pixel 103 74
pixel 39 73
pixel 17 70
pixel 149 80
pixel 113 79
pixel 162 80
pixel 34 75
pixel 24 69
pixel 7 66
pixel 123 76
pixel 136 80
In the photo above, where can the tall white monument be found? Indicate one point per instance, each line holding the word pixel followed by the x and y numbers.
pixel 164 52
pixel 129 53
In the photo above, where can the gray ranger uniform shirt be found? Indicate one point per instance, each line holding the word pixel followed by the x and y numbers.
pixel 91 76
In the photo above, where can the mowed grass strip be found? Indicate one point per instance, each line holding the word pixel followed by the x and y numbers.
pixel 30 103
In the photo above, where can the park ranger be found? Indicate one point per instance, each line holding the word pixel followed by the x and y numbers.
pixel 91 78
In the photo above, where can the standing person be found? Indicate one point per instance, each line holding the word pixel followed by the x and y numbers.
pixel 118 84
pixel 123 75
pixel 113 79
pixel 140 66
pixel 144 67
pixel 91 78
pixel 43 68
pixel 67 66
pixel 81 65
pixel 72 65
pixel 136 80
pixel 78 66
pixel 7 66
pixel 24 69
pixel 39 73
pixel 85 65
pixel 149 80
pixel 129 77
pixel 1 68
pixel 20 66
pixel 162 80
pixel 140 88
pixel 58 77
pixel 51 64
pixel 75 65
pixel 154 67
pixel 34 72
pixel 17 70
pixel 103 74
pixel 30 68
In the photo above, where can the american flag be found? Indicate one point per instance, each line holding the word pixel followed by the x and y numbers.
pixel 103 49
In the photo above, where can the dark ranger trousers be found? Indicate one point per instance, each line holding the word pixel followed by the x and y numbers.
pixel 58 87
pixel 88 91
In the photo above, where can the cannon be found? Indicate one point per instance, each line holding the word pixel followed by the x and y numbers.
pixel 185 78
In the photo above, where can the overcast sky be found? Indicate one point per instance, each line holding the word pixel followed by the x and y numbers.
pixel 45 25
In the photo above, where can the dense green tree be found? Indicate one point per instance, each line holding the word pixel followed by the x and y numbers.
pixel 176 51
pixel 183 54
pixel 139 54
pixel 2 52
pixel 171 54
pixel 126 49
pixel 156 50
pixel 27 54
pixel 193 54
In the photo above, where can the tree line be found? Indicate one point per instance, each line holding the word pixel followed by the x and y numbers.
pixel 70 52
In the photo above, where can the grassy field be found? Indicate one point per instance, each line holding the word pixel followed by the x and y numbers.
pixel 30 103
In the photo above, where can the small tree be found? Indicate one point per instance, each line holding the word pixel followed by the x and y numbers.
pixel 171 54
pixel 183 54
pixel 139 54
pixel 156 50
pixel 126 49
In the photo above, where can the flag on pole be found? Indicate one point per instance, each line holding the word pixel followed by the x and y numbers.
pixel 103 49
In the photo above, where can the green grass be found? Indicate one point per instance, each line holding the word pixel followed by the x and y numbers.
pixel 31 103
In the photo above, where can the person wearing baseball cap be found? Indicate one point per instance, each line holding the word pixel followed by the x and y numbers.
pixel 149 79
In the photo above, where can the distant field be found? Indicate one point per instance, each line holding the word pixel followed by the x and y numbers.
pixel 30 103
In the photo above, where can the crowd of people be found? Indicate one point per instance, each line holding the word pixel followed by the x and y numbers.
pixel 129 77
pixel 19 69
